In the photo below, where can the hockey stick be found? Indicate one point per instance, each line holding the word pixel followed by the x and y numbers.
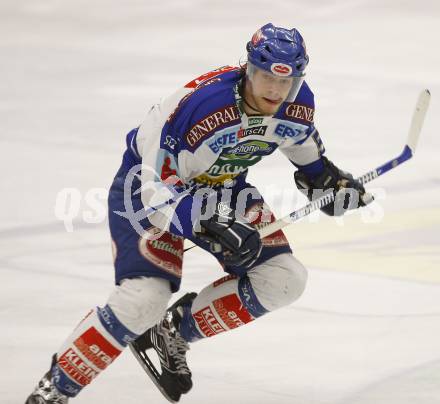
pixel 408 151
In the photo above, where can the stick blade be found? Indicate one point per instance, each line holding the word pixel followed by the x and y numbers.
pixel 417 119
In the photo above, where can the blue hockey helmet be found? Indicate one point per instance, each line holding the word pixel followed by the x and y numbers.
pixel 278 50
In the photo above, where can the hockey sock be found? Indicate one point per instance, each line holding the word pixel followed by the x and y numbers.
pixel 228 303
pixel 93 345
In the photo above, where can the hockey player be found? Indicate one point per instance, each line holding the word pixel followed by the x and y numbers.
pixel 183 175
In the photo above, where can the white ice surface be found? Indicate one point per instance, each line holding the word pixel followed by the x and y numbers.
pixel 76 76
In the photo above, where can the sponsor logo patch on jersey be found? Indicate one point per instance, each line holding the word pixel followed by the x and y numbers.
pixel 227 168
pixel 285 131
pixel 255 121
pixel 249 148
pixel 300 112
pixel 281 69
pixel 170 142
pixel 205 127
pixel 221 140
pixel 256 130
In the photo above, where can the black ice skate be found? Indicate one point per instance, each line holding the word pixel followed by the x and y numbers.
pixel 175 378
pixel 46 392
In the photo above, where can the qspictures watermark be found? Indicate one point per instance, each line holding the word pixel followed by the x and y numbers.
pixel 73 206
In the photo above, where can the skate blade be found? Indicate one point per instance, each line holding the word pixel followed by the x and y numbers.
pixel 151 371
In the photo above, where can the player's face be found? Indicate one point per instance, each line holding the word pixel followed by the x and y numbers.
pixel 267 92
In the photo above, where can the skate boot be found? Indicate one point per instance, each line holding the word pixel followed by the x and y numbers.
pixel 171 348
pixel 46 392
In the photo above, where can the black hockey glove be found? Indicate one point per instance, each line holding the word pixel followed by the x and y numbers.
pixel 239 241
pixel 349 193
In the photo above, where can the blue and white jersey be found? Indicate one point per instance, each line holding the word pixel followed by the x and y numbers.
pixel 200 135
